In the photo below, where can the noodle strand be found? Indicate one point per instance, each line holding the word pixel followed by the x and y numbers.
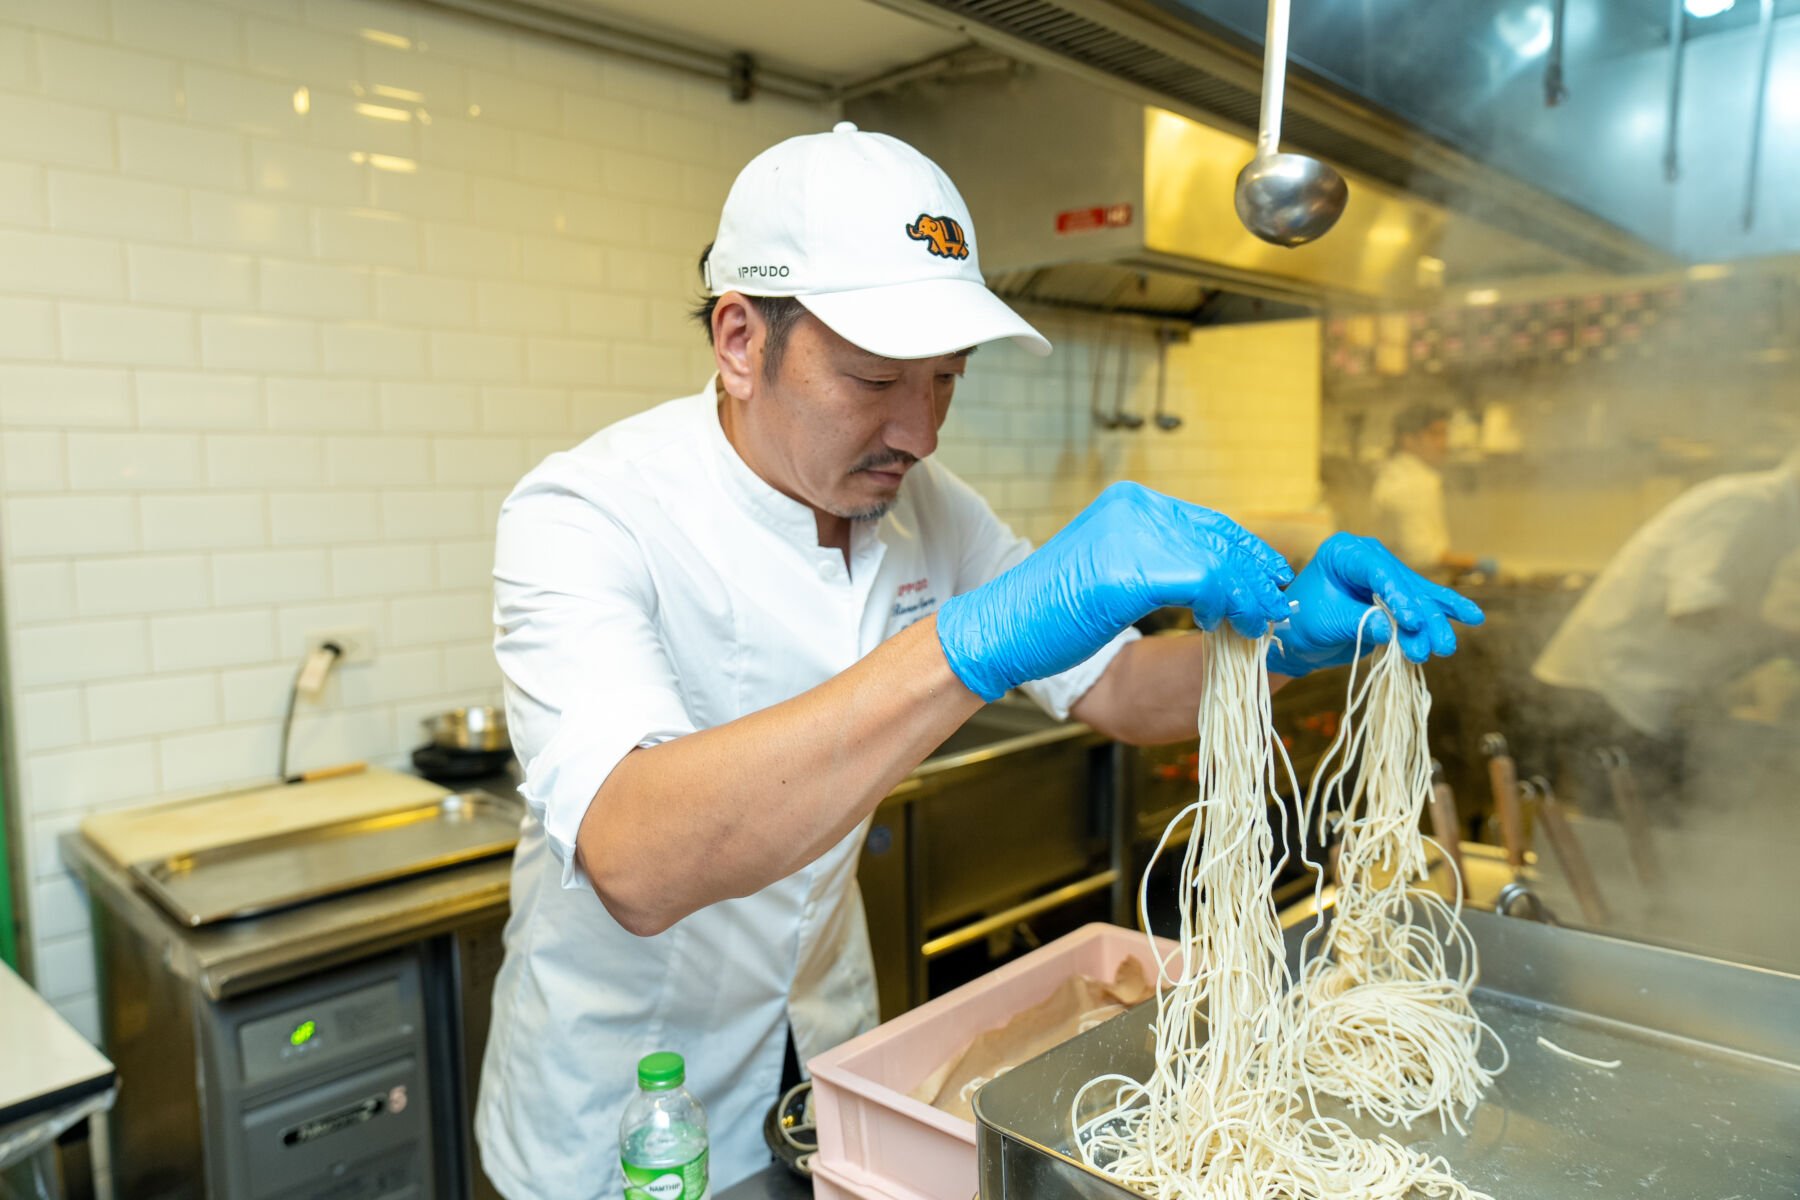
pixel 1377 1018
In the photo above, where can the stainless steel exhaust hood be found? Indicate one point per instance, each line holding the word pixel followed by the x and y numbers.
pixel 1085 196
pixel 1151 105
pixel 1451 103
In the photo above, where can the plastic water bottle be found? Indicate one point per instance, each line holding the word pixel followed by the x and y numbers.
pixel 662 1138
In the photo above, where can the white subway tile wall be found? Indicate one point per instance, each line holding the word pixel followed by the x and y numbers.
pixel 291 294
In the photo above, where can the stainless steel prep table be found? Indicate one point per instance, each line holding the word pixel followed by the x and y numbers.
pixel 937 881
pixel 175 1000
pixel 48 1065
pixel 52 1080
pixel 237 957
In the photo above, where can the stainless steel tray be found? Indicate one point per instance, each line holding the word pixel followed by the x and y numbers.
pixel 1705 1101
pixel 250 878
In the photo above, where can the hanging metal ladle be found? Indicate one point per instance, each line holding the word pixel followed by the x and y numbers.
pixel 1285 199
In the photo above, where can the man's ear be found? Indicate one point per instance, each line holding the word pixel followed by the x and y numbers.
pixel 737 339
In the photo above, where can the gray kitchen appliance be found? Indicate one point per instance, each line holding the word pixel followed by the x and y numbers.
pixel 323 1088
pixel 324 1050
pixel 342 1083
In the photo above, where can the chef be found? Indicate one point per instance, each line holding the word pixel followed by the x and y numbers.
pixel 1409 494
pixel 1706 589
pixel 731 624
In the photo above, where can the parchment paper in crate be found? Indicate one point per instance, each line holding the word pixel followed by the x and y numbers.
pixel 1081 1003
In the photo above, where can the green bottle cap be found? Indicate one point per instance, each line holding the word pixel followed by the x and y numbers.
pixel 661 1071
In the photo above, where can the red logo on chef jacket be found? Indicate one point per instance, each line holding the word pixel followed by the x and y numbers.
pixel 1087 220
pixel 912 601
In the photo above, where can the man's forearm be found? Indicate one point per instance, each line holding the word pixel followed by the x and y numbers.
pixel 727 811
pixel 1150 693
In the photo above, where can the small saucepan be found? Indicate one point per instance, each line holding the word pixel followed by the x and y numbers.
pixel 469 729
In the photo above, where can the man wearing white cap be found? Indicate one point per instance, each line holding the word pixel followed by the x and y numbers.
pixel 731 624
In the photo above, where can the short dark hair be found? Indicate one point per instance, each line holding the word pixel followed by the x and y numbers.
pixel 1417 418
pixel 779 314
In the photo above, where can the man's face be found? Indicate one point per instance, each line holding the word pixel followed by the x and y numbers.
pixel 1432 443
pixel 837 428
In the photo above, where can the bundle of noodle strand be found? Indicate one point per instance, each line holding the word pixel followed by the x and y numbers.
pixel 1382 1010
pixel 1223 1115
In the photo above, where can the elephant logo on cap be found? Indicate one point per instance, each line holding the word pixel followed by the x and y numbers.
pixel 941 235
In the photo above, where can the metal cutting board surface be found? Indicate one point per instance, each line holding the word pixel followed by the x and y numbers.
pixel 198 823
pixel 1705 1101
pixel 262 875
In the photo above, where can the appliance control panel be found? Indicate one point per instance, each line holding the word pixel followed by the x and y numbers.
pixel 322 1088
pixel 326 1029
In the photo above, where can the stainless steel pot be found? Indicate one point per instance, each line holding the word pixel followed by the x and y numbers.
pixel 481 728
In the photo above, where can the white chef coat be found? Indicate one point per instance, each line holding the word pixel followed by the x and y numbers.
pixel 1717 549
pixel 649 584
pixel 1409 509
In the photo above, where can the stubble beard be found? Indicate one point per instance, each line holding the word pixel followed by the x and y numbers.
pixel 871 512
pixel 874 512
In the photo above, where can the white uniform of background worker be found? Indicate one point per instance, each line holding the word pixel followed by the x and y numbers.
pixel 1708 588
pixel 1409 494
pixel 731 624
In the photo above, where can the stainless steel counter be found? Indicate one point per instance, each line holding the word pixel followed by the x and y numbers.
pixel 237 957
pixel 51 1070
pixel 1702 1100
pixel 938 899
pixel 202 1022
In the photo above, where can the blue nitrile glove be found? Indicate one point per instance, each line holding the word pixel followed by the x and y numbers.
pixel 1337 587
pixel 1129 552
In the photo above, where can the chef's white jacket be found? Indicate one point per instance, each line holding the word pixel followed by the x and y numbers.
pixel 1409 510
pixel 1723 549
pixel 649 584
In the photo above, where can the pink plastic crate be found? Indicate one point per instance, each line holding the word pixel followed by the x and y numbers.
pixel 873 1135
pixel 854 1185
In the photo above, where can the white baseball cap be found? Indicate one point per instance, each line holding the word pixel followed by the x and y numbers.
pixel 871 237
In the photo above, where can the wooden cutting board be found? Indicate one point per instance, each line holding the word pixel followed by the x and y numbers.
pixel 157 831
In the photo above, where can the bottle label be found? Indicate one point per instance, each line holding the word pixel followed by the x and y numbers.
pixel 687 1182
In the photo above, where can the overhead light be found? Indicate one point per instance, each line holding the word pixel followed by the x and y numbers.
pixel 1528 31
pixel 382 112
pixel 1482 297
pixel 1389 233
pixel 382 37
pixel 302 100
pixel 1707 8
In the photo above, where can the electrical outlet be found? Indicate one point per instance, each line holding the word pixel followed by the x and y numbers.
pixel 358 645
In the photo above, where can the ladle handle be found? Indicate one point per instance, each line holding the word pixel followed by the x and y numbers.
pixel 1672 134
pixel 1766 33
pixel 1275 41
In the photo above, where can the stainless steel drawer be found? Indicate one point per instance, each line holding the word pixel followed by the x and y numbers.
pixel 1010 827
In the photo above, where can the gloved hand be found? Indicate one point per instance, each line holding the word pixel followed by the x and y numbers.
pixel 1129 552
pixel 1337 587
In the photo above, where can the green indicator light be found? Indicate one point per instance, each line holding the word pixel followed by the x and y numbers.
pixel 303 1033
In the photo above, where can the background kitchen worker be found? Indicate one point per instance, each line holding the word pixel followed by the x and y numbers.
pixel 730 625
pixel 1701 593
pixel 1409 494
